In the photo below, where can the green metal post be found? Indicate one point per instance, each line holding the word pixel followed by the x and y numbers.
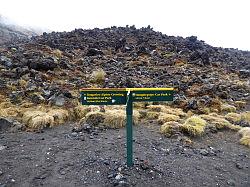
pixel 129 128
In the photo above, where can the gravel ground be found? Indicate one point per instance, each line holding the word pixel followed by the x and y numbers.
pixel 60 157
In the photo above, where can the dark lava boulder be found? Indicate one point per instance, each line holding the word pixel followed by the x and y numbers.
pixel 43 65
pixel 94 52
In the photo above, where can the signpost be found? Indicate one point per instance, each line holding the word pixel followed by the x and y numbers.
pixel 125 96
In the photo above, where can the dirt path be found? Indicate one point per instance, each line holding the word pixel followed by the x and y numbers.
pixel 59 157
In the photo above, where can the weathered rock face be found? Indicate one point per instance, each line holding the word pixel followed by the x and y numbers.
pixel 44 68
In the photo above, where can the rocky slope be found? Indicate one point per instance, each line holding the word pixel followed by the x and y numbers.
pixel 49 70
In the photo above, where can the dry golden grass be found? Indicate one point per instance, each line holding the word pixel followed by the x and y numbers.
pixel 246 116
pixel 37 119
pixel 233 117
pixel 80 111
pixel 152 115
pixel 194 126
pixel 111 118
pixel 3 113
pixel 94 118
pixel 228 108
pixel 167 109
pixel 180 62
pixel 163 118
pixel 57 53
pixel 169 128
pixel 219 121
pixel 22 83
pixel 115 107
pixel 155 108
pixel 240 104
pixel 139 105
pixel 215 105
pixel 115 119
pixel 60 116
pixel 245 136
pixel 5 104
pixel 11 87
pixel 98 76
pixel 7 109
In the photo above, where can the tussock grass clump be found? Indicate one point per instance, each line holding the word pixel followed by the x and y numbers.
pixel 7 109
pixel 117 118
pixel 219 122
pixel 80 111
pixel 3 113
pixel 233 117
pixel 163 118
pixel 139 105
pixel 194 126
pixel 94 118
pixel 215 105
pixel 245 136
pixel 22 83
pixel 112 118
pixel 152 115
pixel 98 76
pixel 155 108
pixel 246 116
pixel 170 128
pixel 57 53
pixel 228 108
pixel 60 116
pixel 5 104
pixel 167 109
pixel 39 119
pixel 240 104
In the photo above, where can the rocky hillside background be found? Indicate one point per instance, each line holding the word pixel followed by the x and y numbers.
pixel 46 72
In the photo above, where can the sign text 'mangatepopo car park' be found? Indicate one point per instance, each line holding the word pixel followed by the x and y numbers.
pixel 118 96
pixel 125 96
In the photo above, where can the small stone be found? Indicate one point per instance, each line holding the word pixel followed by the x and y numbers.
pixel 82 138
pixel 94 52
pixel 74 134
pixel 110 176
pixel 239 166
pixel 231 182
pixel 60 101
pixel 119 169
pixel 123 184
pixel 86 127
pixel 204 152
pixel 5 124
pixel 1 173
pixel 118 176
pixel 106 162
pixel 2 147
